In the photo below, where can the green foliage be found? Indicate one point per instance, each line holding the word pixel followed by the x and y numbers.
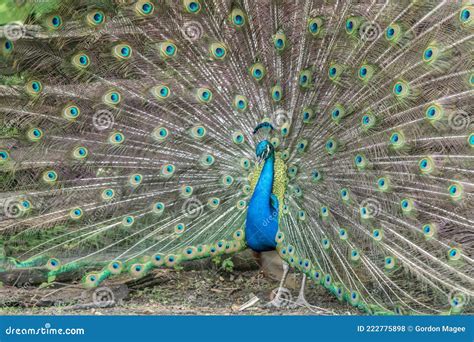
pixel 226 265
pixel 18 10
pixel 8 132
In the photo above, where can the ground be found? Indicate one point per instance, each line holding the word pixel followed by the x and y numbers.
pixel 206 289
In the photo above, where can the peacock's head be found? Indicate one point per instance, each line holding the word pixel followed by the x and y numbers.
pixel 264 150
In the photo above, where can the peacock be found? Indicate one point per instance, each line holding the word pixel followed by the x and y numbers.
pixel 144 134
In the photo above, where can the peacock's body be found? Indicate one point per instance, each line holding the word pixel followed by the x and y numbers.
pixel 128 142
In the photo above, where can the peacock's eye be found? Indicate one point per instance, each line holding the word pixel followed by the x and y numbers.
pixel 4 156
pixel 237 17
pixel 128 221
pixel 95 18
pixel 434 113
pixel 305 78
pixel 393 33
pixel 426 165
pixel 35 134
pixel 160 134
pixel 398 88
pixel 276 93
pixel 465 16
pixel 80 152
pixel 456 191
pixel 218 51
pixel 428 53
pixel 240 103
pixel 122 51
pixel 349 25
pixel 335 71
pixel 390 32
pixel 71 112
pixel 204 95
pixel 192 6
pixel 7 46
pixel 135 179
pixel 34 87
pixel 407 205
pixel 112 98
pixel 55 22
pixel 116 138
pixel 366 72
pixel 50 176
pixel 161 92
pixel 76 213
pixel 331 146
pixel 279 41
pixel 238 137
pixel 108 194
pixel 308 115
pixel 198 132
pixel 144 8
pixel 257 71
pixel 98 18
pixel 315 25
pixel 167 170
pixel 81 61
pixel 168 49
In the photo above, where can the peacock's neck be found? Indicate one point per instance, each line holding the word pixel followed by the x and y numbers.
pixel 263 189
pixel 262 219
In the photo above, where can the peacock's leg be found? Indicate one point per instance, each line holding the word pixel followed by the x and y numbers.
pixel 277 300
pixel 301 300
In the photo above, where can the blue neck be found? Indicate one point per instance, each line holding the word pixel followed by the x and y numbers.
pixel 264 186
pixel 262 219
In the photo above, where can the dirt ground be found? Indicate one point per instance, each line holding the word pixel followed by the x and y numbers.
pixel 205 290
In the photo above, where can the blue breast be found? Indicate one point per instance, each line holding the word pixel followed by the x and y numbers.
pixel 262 219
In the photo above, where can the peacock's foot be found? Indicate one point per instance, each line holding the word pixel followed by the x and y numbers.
pixel 281 299
pixel 302 302
pixel 282 296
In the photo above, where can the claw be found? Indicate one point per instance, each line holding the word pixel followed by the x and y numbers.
pixel 301 300
pixel 279 300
